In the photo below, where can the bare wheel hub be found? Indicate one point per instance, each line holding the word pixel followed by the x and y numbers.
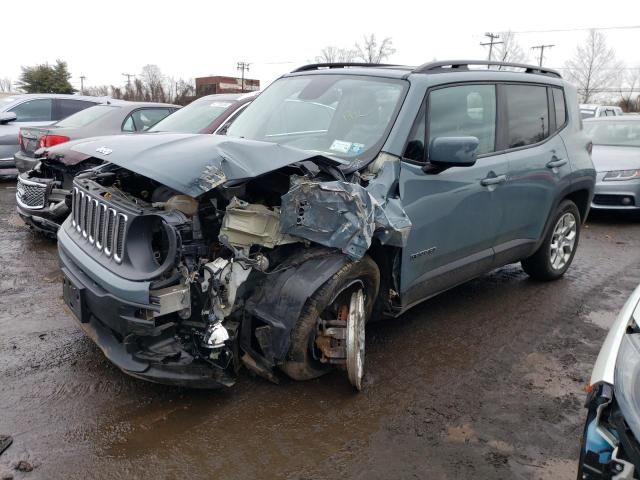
pixel 341 340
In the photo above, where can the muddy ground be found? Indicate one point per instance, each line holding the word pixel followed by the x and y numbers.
pixel 485 381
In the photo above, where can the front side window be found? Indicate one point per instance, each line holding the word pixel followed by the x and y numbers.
pixel 34 111
pixel 527 115
pixel 345 116
pixel 464 111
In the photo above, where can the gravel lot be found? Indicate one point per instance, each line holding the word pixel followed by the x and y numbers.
pixel 485 381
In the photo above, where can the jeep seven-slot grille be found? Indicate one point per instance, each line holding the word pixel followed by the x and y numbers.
pixel 101 225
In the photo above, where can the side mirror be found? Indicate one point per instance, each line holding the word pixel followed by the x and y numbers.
pixel 6 117
pixel 453 151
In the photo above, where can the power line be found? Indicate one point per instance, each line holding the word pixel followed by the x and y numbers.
pixel 627 27
pixel 492 37
pixel 541 48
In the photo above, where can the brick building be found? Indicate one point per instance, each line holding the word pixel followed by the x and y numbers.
pixel 218 84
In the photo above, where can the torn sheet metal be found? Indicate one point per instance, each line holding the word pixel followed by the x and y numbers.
pixel 346 215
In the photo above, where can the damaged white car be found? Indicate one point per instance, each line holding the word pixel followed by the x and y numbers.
pixel 188 257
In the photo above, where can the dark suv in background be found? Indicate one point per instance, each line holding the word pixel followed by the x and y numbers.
pixel 343 192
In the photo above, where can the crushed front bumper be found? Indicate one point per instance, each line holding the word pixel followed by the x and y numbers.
pixel 114 324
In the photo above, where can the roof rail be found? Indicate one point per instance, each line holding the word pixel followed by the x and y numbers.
pixel 463 65
pixel 319 66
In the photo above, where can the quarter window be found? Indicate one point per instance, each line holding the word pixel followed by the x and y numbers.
pixel 558 101
pixel 462 111
pixel 527 115
pixel 34 111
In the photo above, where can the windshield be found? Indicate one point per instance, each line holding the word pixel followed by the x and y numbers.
pixel 340 115
pixel 587 114
pixel 193 118
pixel 621 133
pixel 86 116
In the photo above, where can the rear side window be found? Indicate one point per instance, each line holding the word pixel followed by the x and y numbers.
pixel 462 111
pixel 64 108
pixel 527 114
pixel 34 111
pixel 143 119
pixel 560 108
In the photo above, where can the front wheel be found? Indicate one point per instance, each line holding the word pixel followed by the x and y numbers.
pixel 330 330
pixel 556 253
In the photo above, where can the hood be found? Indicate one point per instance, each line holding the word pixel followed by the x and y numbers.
pixel 192 164
pixel 607 158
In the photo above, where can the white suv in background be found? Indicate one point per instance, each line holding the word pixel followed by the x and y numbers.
pixel 590 110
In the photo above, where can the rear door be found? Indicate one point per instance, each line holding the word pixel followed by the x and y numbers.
pixel 456 213
pixel 538 164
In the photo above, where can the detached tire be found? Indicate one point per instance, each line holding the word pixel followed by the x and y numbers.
pixel 300 363
pixel 556 253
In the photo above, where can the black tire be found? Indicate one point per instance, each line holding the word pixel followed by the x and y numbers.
pixel 300 363
pixel 539 265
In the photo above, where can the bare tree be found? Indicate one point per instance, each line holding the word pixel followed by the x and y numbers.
pixel 594 67
pixel 97 91
pixel 373 52
pixel 510 50
pixel 629 88
pixel 154 81
pixel 5 84
pixel 335 55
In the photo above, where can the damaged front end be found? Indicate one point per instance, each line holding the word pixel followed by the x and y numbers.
pixel 186 289
pixel 43 194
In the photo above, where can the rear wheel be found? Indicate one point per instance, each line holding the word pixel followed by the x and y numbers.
pixel 556 253
pixel 331 329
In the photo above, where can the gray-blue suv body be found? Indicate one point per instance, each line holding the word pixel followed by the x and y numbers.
pixel 344 192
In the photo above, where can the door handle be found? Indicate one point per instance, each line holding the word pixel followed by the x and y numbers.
pixel 485 182
pixel 556 162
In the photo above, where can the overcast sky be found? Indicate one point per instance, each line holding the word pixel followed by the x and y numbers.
pixel 103 39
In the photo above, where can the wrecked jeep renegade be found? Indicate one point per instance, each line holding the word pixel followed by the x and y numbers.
pixel 343 192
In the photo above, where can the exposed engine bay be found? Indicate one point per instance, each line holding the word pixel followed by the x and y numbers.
pixel 230 271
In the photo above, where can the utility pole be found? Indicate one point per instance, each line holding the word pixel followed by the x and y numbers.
pixel 242 66
pixel 82 77
pixel 541 48
pixel 128 75
pixel 492 41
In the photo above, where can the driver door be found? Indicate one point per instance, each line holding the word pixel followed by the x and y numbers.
pixel 456 213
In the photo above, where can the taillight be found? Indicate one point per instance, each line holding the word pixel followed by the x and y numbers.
pixel 51 140
pixel 590 147
pixel 20 141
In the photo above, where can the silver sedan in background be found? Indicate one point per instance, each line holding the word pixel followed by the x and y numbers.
pixel 616 156
pixel 115 116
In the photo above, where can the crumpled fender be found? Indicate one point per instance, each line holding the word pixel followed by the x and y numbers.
pixel 279 301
